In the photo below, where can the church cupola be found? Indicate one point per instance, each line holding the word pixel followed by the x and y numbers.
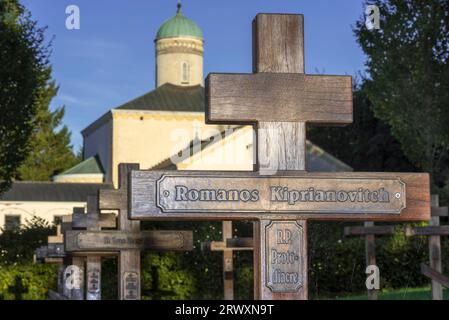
pixel 179 52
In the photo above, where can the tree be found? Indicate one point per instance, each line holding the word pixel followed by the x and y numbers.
pixel 366 145
pixel 408 78
pixel 24 70
pixel 50 149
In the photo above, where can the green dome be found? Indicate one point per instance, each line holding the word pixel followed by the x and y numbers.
pixel 179 26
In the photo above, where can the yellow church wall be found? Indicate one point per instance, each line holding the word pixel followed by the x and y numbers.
pixel 28 209
pixel 232 152
pixel 150 137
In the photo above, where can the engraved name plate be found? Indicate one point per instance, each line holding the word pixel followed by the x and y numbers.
pixel 114 241
pixel 284 256
pixel 280 194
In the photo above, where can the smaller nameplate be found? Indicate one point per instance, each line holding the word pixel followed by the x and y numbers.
pixel 79 241
pixel 285 258
pixel 131 285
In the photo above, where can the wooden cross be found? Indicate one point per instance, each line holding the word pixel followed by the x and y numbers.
pixel 53 252
pixel 91 221
pixel 369 231
pixel 279 99
pixel 434 231
pixel 228 245
pixel 128 240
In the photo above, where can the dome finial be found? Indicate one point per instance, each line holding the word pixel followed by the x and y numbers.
pixel 178 11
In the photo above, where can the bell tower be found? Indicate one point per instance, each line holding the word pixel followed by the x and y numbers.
pixel 179 52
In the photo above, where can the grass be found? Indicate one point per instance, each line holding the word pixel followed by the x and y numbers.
pixel 400 294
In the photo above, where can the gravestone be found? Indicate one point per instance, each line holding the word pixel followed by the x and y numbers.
pixel 370 231
pixel 434 231
pixel 279 99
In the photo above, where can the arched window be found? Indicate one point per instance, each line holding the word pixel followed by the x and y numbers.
pixel 185 72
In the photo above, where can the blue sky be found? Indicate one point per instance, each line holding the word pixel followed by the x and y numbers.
pixel 110 60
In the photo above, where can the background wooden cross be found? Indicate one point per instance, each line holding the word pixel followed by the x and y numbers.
pixel 92 220
pixel 228 245
pixel 434 231
pixel 280 99
pixel 129 260
pixel 369 231
pixel 129 256
pixel 53 252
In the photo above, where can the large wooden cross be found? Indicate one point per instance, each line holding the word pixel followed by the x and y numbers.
pixel 434 231
pixel 279 99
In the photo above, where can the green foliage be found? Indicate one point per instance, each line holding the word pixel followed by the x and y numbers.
pixel 18 246
pixel 195 274
pixel 36 280
pixel 337 263
pixel 23 72
pixel 19 278
pixel 366 145
pixel 50 149
pixel 162 279
pixel 408 78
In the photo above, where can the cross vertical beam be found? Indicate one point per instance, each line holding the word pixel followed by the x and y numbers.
pixel 278 43
pixel 129 260
pixel 370 256
pixel 228 264
pixel 434 231
pixel 93 262
pixel 435 251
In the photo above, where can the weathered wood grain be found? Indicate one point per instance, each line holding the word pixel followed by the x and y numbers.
pixel 93 278
pixel 439 211
pixel 427 231
pixel 112 199
pixel 281 146
pixel 83 221
pixel 435 249
pixel 370 255
pixel 240 243
pixel 129 260
pixel 111 240
pixel 272 97
pixel 434 275
pixel 278 43
pixel 368 230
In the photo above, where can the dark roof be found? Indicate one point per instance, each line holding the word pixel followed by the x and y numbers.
pixel 169 97
pixel 51 191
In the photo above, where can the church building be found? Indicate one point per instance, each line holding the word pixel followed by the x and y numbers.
pixel 162 129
